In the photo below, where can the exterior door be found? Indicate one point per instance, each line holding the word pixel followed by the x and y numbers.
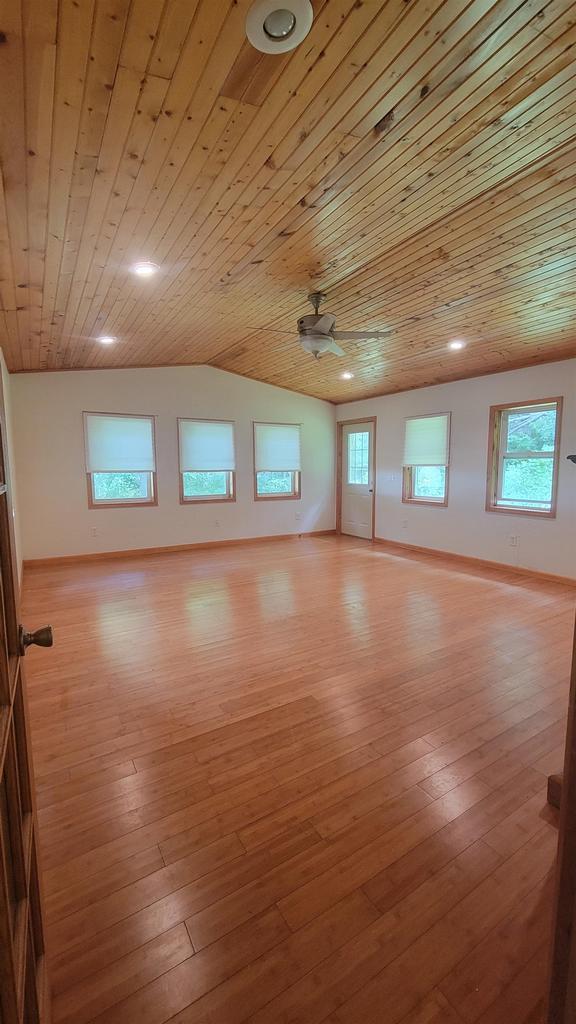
pixel 357 479
pixel 24 997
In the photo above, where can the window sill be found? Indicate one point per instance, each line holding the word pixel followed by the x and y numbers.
pixel 123 504
pixel 277 497
pixel 429 502
pixel 208 501
pixel 505 510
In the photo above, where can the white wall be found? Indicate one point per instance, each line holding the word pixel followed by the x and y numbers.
pixel 55 518
pixel 464 527
pixel 7 392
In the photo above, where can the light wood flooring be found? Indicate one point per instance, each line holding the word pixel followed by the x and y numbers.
pixel 297 781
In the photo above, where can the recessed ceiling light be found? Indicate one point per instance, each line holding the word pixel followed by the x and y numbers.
pixel 273 26
pixel 107 339
pixel 144 268
pixel 347 375
pixel 456 344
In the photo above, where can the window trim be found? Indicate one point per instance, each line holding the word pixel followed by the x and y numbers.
pixel 495 459
pixel 94 503
pixel 296 494
pixel 211 499
pixel 408 496
pixel 408 475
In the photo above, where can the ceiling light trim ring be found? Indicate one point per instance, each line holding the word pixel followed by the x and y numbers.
pixel 260 12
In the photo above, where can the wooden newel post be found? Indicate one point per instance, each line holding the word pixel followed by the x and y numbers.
pixel 562 995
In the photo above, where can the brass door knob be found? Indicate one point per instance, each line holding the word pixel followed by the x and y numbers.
pixel 42 637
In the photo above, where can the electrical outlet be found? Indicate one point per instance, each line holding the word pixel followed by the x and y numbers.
pixel 404 524
pixel 298 517
pixel 216 522
pixel 513 540
pixel 94 531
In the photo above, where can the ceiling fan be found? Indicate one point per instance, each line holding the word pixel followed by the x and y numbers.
pixel 316 331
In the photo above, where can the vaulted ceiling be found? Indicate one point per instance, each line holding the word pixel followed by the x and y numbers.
pixel 413 158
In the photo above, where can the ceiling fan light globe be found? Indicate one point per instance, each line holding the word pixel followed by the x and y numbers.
pixel 315 344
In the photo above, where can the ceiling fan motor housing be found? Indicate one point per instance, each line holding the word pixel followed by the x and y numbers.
pixel 307 325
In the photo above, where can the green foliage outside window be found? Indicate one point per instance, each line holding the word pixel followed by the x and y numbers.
pixel 527 482
pixel 430 482
pixel 205 484
pixel 275 483
pixel 531 431
pixel 120 486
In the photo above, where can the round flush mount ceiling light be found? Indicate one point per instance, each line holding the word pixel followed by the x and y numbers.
pixel 346 375
pixel 277 26
pixel 280 24
pixel 107 339
pixel 144 268
pixel 457 344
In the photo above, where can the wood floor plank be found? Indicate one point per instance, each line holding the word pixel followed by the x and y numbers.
pixel 256 983
pixel 480 979
pixel 324 988
pixel 132 920
pixel 105 988
pixel 441 948
pixel 434 1009
pixel 290 817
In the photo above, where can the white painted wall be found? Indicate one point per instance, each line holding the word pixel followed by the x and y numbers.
pixel 54 514
pixel 7 392
pixel 464 527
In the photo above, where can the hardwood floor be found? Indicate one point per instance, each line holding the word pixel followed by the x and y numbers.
pixel 297 782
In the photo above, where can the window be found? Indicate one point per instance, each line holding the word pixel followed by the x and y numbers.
pixel 120 459
pixel 426 458
pixel 276 460
pixel 523 457
pixel 358 457
pixel 207 460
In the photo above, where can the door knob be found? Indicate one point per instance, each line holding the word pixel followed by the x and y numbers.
pixel 42 637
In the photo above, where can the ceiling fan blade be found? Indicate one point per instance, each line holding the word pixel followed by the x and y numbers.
pixel 335 349
pixel 361 335
pixel 325 324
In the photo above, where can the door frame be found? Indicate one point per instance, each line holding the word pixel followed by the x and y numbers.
pixel 339 462
pixel 562 985
pixel 24 982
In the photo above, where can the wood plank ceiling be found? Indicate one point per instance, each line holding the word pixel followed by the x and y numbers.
pixel 413 158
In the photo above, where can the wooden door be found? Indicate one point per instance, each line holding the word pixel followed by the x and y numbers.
pixel 562 999
pixel 24 993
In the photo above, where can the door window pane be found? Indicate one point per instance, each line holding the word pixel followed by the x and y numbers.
pixel 358 457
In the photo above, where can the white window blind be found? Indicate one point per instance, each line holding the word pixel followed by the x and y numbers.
pixel 119 444
pixel 276 447
pixel 427 440
pixel 206 446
